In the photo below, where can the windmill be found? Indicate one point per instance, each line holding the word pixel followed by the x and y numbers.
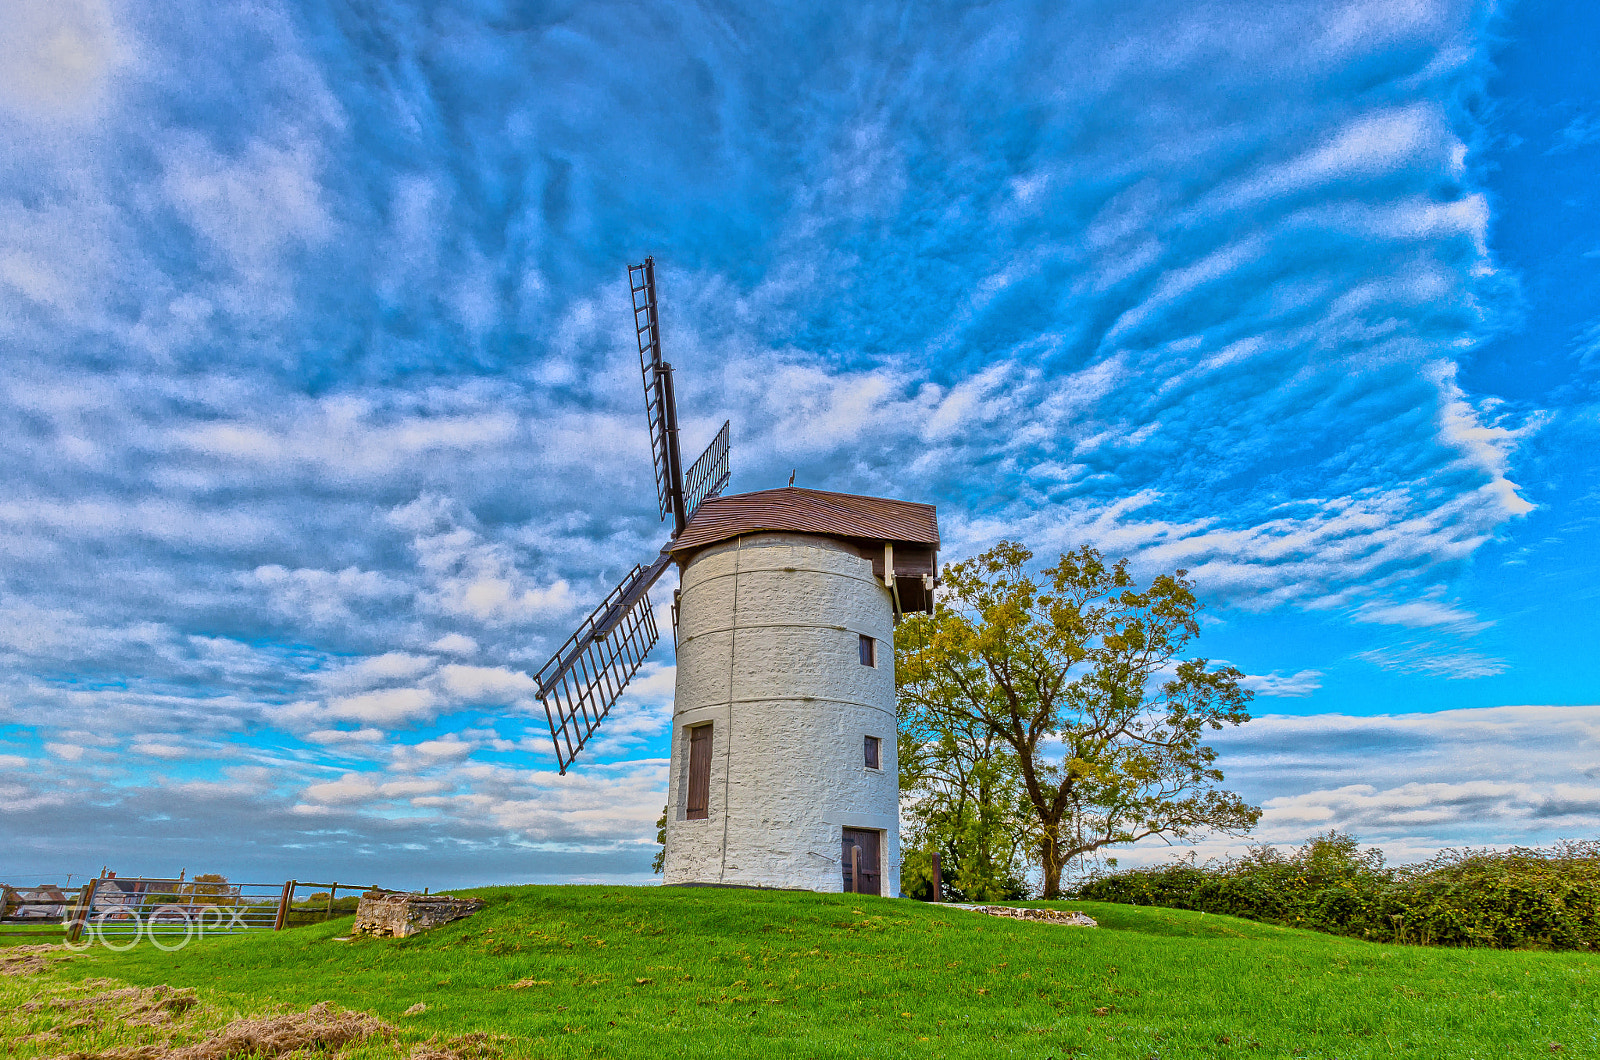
pixel 782 771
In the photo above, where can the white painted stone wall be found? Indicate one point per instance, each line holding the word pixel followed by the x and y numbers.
pixel 769 654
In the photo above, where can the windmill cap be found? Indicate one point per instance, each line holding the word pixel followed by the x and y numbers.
pixel 806 511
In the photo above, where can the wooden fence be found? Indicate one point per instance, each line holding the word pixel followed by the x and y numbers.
pixel 124 908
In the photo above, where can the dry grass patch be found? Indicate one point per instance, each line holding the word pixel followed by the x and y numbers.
pixel 134 1006
pixel 30 960
pixel 47 1017
pixel 321 1027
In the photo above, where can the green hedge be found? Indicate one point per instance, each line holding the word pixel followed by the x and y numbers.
pixel 1512 899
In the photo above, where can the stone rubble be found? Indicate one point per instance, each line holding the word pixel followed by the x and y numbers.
pixel 1045 916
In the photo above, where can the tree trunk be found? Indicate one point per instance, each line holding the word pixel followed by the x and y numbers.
pixel 1052 868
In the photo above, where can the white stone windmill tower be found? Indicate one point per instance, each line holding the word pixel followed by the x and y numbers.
pixel 783 769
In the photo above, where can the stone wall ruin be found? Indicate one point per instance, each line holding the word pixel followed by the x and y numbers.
pixel 397 914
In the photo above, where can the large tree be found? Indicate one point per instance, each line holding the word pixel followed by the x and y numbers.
pixel 1065 668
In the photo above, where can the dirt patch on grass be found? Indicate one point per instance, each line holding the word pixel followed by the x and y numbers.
pixel 134 1006
pixel 466 1047
pixel 29 960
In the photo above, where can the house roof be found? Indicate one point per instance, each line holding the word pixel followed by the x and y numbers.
pixel 809 512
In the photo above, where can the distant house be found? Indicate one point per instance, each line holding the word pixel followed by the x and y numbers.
pixel 123 898
pixel 45 902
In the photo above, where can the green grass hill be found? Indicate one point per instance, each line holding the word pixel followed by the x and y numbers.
pixel 665 972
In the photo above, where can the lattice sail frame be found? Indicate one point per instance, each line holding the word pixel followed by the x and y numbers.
pixel 647 329
pixel 582 681
pixel 708 474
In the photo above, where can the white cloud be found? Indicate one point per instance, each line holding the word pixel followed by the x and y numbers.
pixel 473 578
pixel 388 707
pixel 1581 131
pixel 1319 553
pixel 352 787
pixel 346 438
pixel 56 58
pixel 398 689
pixel 329 737
pixel 455 644
pixel 90 518
pixel 1412 808
pixel 449 747
pixel 500 599
pixel 486 684
pixel 251 207
pixel 165 748
pixel 355 788
pixel 1588 344
pixel 394 667
pixel 620 801
pixel 325 597
pixel 1301 683
pixel 1487 447
pixel 1370 145
pixel 1416 614
pixel 1434 659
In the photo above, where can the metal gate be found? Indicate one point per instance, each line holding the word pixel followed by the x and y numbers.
pixel 118 910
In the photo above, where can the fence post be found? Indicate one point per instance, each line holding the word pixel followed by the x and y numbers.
pixel 333 891
pixel 85 906
pixel 283 906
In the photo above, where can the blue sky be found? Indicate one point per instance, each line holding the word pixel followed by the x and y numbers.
pixel 324 424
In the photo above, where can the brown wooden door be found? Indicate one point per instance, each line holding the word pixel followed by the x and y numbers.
pixel 871 881
pixel 699 773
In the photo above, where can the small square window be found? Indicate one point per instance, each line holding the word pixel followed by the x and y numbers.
pixel 869 651
pixel 872 753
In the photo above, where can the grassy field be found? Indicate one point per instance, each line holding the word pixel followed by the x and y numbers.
pixel 653 972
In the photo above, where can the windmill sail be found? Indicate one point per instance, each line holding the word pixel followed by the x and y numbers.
pixel 660 404
pixel 708 474
pixel 582 681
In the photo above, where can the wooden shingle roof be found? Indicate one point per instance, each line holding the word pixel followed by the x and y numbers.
pixel 806 511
